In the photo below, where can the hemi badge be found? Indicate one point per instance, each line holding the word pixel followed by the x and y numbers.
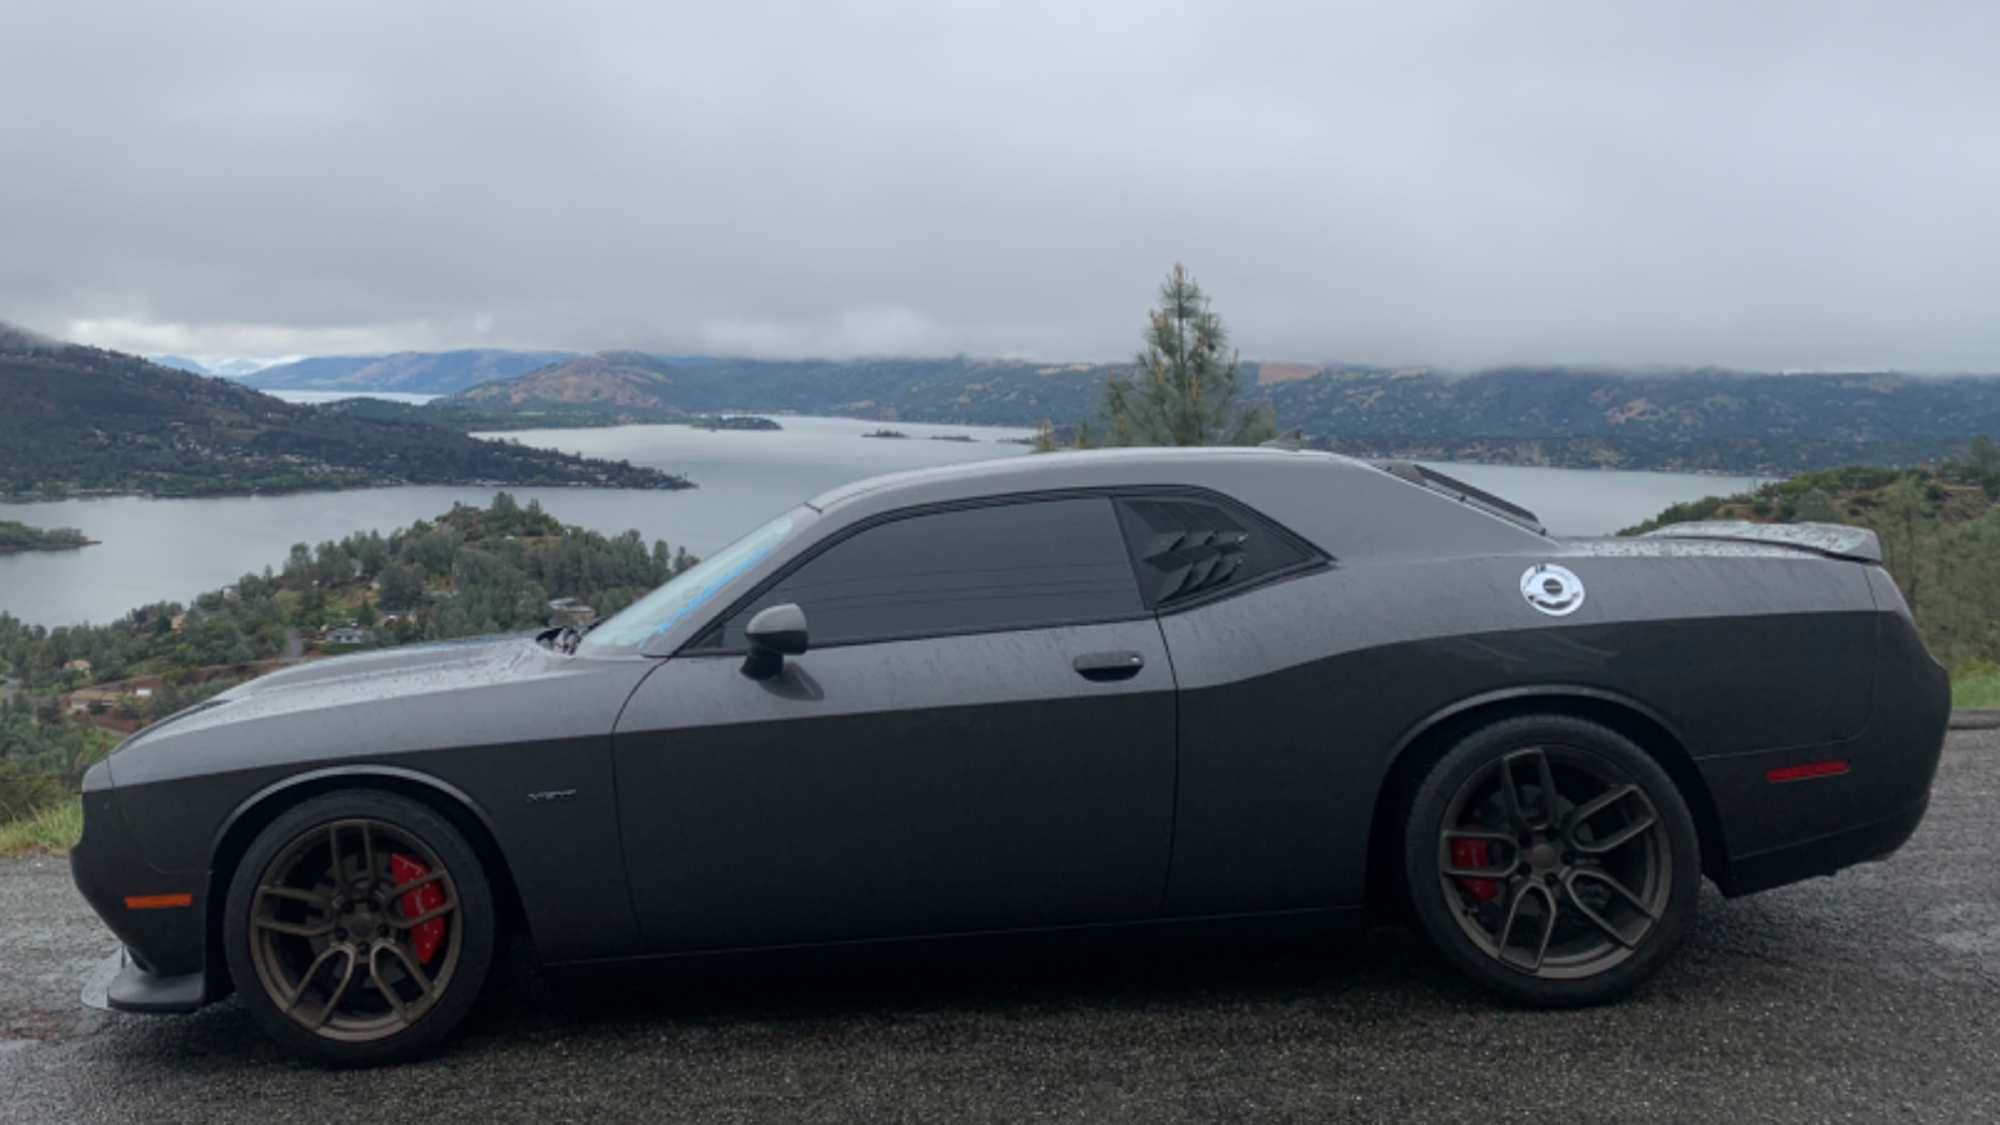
pixel 1810 769
pixel 547 795
pixel 157 902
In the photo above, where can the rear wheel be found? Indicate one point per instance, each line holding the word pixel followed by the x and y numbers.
pixel 359 928
pixel 1552 860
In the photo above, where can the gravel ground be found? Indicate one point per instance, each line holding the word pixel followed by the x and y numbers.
pixel 1873 996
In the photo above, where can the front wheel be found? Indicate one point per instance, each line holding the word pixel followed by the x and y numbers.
pixel 359 928
pixel 1552 860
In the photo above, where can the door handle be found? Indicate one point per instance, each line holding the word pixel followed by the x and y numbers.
pixel 1103 666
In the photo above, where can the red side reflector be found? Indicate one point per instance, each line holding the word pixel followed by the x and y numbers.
pixel 1810 769
pixel 157 902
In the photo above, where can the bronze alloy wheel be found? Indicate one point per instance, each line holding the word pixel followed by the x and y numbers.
pixel 1552 860
pixel 1557 861
pixel 354 930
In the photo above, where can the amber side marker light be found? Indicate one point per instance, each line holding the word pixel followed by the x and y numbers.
pixel 157 902
pixel 1810 769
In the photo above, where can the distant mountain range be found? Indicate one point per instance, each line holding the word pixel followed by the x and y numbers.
pixel 182 363
pixel 1568 417
pixel 225 367
pixel 1705 419
pixel 422 373
pixel 76 420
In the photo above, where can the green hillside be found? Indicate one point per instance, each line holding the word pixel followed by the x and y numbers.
pixel 471 571
pixel 81 420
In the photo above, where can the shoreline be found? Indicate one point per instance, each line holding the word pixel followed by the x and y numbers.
pixel 134 494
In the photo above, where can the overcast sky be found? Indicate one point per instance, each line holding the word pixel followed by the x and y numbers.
pixel 1773 185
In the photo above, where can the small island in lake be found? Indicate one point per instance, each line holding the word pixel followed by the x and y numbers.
pixel 734 422
pixel 16 536
pixel 953 437
pixel 886 434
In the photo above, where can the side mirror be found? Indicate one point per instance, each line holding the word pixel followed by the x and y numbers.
pixel 774 634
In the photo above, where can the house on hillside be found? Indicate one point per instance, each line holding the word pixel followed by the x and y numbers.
pixel 349 635
pixel 573 611
pixel 83 698
pixel 106 697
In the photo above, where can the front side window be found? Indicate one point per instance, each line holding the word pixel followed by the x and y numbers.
pixel 1009 566
pixel 693 588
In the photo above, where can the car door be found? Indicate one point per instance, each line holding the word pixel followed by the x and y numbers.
pixel 981 737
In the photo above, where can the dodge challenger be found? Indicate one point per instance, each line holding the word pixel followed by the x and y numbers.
pixel 1127 692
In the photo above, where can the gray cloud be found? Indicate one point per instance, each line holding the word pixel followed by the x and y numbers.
pixel 1777 185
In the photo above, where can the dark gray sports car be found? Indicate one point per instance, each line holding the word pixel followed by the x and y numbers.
pixel 1149 689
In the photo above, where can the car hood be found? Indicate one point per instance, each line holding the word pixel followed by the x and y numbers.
pixel 483 691
pixel 387 674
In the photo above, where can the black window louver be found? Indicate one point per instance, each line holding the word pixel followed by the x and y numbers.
pixel 1183 549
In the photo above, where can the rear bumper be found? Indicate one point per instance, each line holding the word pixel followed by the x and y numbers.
pixel 1824 856
pixel 1780 831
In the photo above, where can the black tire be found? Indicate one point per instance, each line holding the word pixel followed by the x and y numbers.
pixel 305 880
pixel 1542 905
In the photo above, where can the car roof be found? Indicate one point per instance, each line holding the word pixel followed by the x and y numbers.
pixel 1094 468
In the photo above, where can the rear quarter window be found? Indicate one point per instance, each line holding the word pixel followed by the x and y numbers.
pixel 1186 549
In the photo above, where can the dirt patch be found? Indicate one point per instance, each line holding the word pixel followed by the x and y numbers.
pixel 36 1026
pixel 1270 373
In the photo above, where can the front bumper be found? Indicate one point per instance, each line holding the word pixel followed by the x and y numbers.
pixel 162 917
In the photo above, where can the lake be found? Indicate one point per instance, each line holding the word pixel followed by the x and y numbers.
pixel 170 550
pixel 319 398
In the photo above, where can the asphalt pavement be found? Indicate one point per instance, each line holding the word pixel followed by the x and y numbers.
pixel 1873 996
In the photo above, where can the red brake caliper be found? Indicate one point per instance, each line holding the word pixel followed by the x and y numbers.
pixel 425 935
pixel 1472 853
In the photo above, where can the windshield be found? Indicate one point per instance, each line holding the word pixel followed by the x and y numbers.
pixel 669 605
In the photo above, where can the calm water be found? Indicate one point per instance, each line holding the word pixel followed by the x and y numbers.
pixel 314 398
pixel 154 550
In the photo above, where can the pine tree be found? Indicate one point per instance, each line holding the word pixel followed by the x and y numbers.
pixel 1187 385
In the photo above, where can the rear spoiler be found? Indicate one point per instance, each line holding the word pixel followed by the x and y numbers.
pixel 1836 541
